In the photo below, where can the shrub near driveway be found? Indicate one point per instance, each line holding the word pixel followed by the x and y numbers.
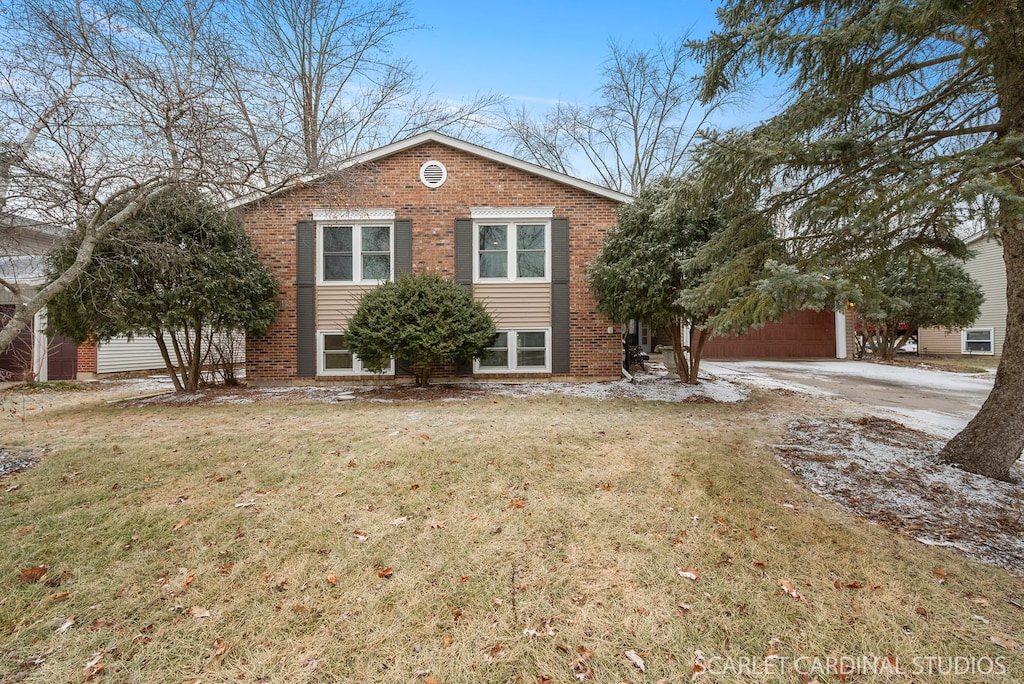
pixel 497 539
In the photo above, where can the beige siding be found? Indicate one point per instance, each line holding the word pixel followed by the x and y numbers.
pixel 335 304
pixel 988 269
pixel 516 305
pixel 937 342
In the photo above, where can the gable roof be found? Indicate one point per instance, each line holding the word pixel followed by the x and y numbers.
pixel 434 136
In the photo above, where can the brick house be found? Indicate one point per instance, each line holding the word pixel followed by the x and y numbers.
pixel 519 236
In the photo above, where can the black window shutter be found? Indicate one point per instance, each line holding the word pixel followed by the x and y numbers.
pixel 403 247
pixel 305 303
pixel 560 295
pixel 464 252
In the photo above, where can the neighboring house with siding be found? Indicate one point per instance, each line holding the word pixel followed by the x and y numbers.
pixel 518 235
pixel 985 336
pixel 33 355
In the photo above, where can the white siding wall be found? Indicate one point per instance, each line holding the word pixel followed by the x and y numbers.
pixel 120 355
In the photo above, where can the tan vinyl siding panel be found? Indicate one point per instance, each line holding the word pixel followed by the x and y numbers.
pixel 988 269
pixel 937 342
pixel 335 304
pixel 516 305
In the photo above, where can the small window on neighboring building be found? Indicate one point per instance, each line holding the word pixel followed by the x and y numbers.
pixel 517 351
pixel 977 341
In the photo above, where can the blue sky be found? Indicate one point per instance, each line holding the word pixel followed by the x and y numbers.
pixel 536 52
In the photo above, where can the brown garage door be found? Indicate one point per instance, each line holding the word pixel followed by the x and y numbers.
pixel 802 335
pixel 17 358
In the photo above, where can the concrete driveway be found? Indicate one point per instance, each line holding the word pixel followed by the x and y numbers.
pixel 934 401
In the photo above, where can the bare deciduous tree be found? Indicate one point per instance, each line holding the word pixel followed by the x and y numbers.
pixel 640 130
pixel 98 102
pixel 328 74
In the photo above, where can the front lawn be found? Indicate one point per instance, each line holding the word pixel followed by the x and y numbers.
pixel 492 539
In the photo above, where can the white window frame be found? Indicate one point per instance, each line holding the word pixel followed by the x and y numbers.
pixel 991 341
pixel 513 366
pixel 357 221
pixel 511 217
pixel 357 365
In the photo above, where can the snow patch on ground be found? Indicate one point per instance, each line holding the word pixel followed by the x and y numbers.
pixel 930 378
pixel 651 386
pixel 883 471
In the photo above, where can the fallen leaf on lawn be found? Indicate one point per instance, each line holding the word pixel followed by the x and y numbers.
pixel 940 573
pixel 430 679
pixel 360 536
pixel 189 581
pixel 198 612
pixel 61 596
pixel 400 520
pixel 788 587
pixel 516 503
pixel 413 487
pixel 332 579
pixel 544 679
pixel 33 574
pixel 436 524
pixel 93 666
pixel 68 624
pixel 636 660
pixel 181 523
pixel 219 648
pixel 979 619
pixel 386 573
pixel 923 612
pixel 688 573
pixel 581 665
pixel 700 665
pixel 447 641
pixel 495 652
pixel 1002 642
pixel 246 504
pixel 424 436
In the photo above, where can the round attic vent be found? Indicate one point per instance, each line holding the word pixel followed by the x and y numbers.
pixel 433 174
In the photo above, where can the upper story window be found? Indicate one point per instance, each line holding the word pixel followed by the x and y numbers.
pixel 511 248
pixel 355 251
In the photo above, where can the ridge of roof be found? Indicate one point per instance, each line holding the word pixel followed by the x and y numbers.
pixel 441 138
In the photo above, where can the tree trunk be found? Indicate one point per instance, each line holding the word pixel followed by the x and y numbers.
pixel 159 337
pixel 993 441
pixel 698 336
pixel 682 364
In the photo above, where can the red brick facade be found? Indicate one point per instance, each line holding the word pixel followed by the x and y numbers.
pixel 392 182
pixel 87 354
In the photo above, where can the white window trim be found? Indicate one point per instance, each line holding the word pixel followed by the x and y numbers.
pixel 357 252
pixel 510 268
pixel 513 356
pixel 357 365
pixel 970 352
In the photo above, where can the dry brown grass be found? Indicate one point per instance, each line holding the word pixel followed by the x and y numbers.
pixel 567 518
